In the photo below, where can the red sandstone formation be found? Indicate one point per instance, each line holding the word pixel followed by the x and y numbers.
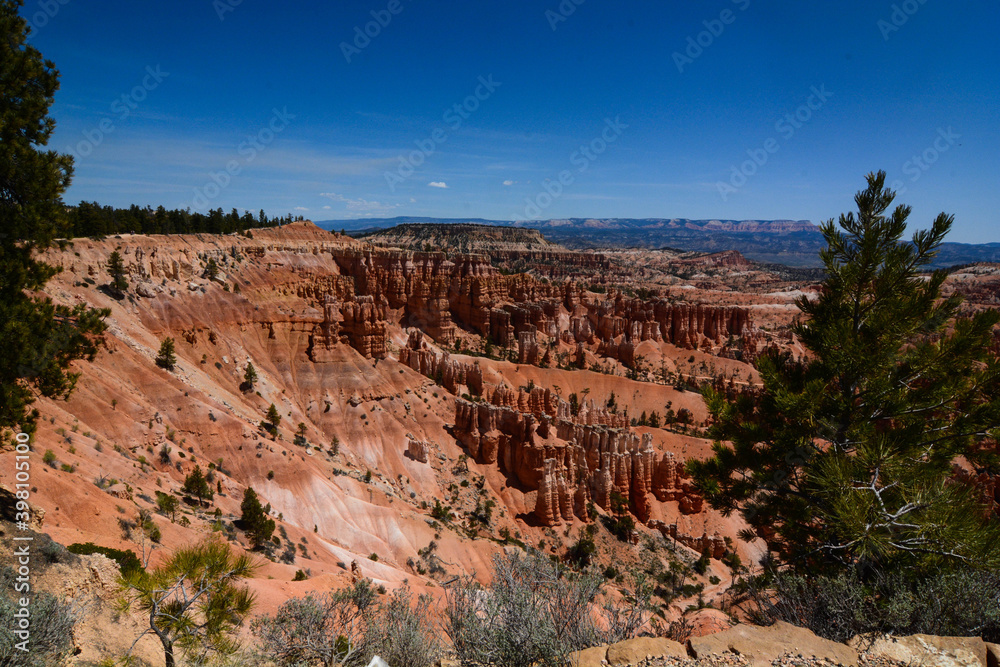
pixel 714 545
pixel 418 450
pixel 440 367
pixel 365 325
pixel 570 459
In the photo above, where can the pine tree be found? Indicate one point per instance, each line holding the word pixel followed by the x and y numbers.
pixel 166 358
pixel 40 338
pixel 193 601
pixel 197 485
pixel 273 417
pixel 258 525
pixel 845 457
pixel 250 376
pixel 116 267
pixel 211 269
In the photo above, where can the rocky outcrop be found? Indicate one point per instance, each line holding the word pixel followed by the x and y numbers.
pixel 418 450
pixel 570 460
pixel 439 366
pixel 527 348
pixel 326 334
pixel 671 482
pixel 365 325
pixel 763 645
pixel 930 650
pixel 635 651
pixel 713 545
pixel 685 325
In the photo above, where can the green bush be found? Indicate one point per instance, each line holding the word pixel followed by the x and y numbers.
pixel 349 626
pixel 582 552
pixel 535 612
pixel 52 623
pixel 855 602
pixel 127 561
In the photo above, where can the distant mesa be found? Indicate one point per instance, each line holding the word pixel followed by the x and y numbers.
pixel 793 243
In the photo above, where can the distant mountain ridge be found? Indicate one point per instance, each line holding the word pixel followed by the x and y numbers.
pixel 776 226
pixel 465 234
pixel 764 226
pixel 793 243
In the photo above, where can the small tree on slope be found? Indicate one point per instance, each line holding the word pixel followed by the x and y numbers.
pixel 116 269
pixel 845 457
pixel 259 526
pixel 193 601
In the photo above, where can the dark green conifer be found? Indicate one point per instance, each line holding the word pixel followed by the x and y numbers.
pixel 40 338
pixel 258 525
pixel 846 457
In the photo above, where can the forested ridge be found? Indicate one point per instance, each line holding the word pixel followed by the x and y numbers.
pixel 94 220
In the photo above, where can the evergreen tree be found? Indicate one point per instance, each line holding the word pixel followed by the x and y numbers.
pixel 845 457
pixel 197 485
pixel 211 269
pixel 273 417
pixel 116 267
pixel 40 338
pixel 250 376
pixel 166 358
pixel 258 525
pixel 168 504
pixel 193 601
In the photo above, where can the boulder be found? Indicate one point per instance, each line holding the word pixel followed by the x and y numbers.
pixel 992 655
pixel 634 651
pixel 931 651
pixel 708 621
pixel 146 290
pixel 588 657
pixel 761 645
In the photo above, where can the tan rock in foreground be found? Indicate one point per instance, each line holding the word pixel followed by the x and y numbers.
pixel 708 621
pixel 992 655
pixel 634 651
pixel 588 657
pixel 931 651
pixel 761 645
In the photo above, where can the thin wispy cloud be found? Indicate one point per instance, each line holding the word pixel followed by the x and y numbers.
pixel 359 206
pixel 438 184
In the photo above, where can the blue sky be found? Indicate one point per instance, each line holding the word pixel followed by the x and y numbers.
pixel 733 109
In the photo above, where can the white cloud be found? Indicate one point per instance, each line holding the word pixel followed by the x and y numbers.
pixel 508 182
pixel 301 208
pixel 412 200
pixel 326 208
pixel 360 206
pixel 438 184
